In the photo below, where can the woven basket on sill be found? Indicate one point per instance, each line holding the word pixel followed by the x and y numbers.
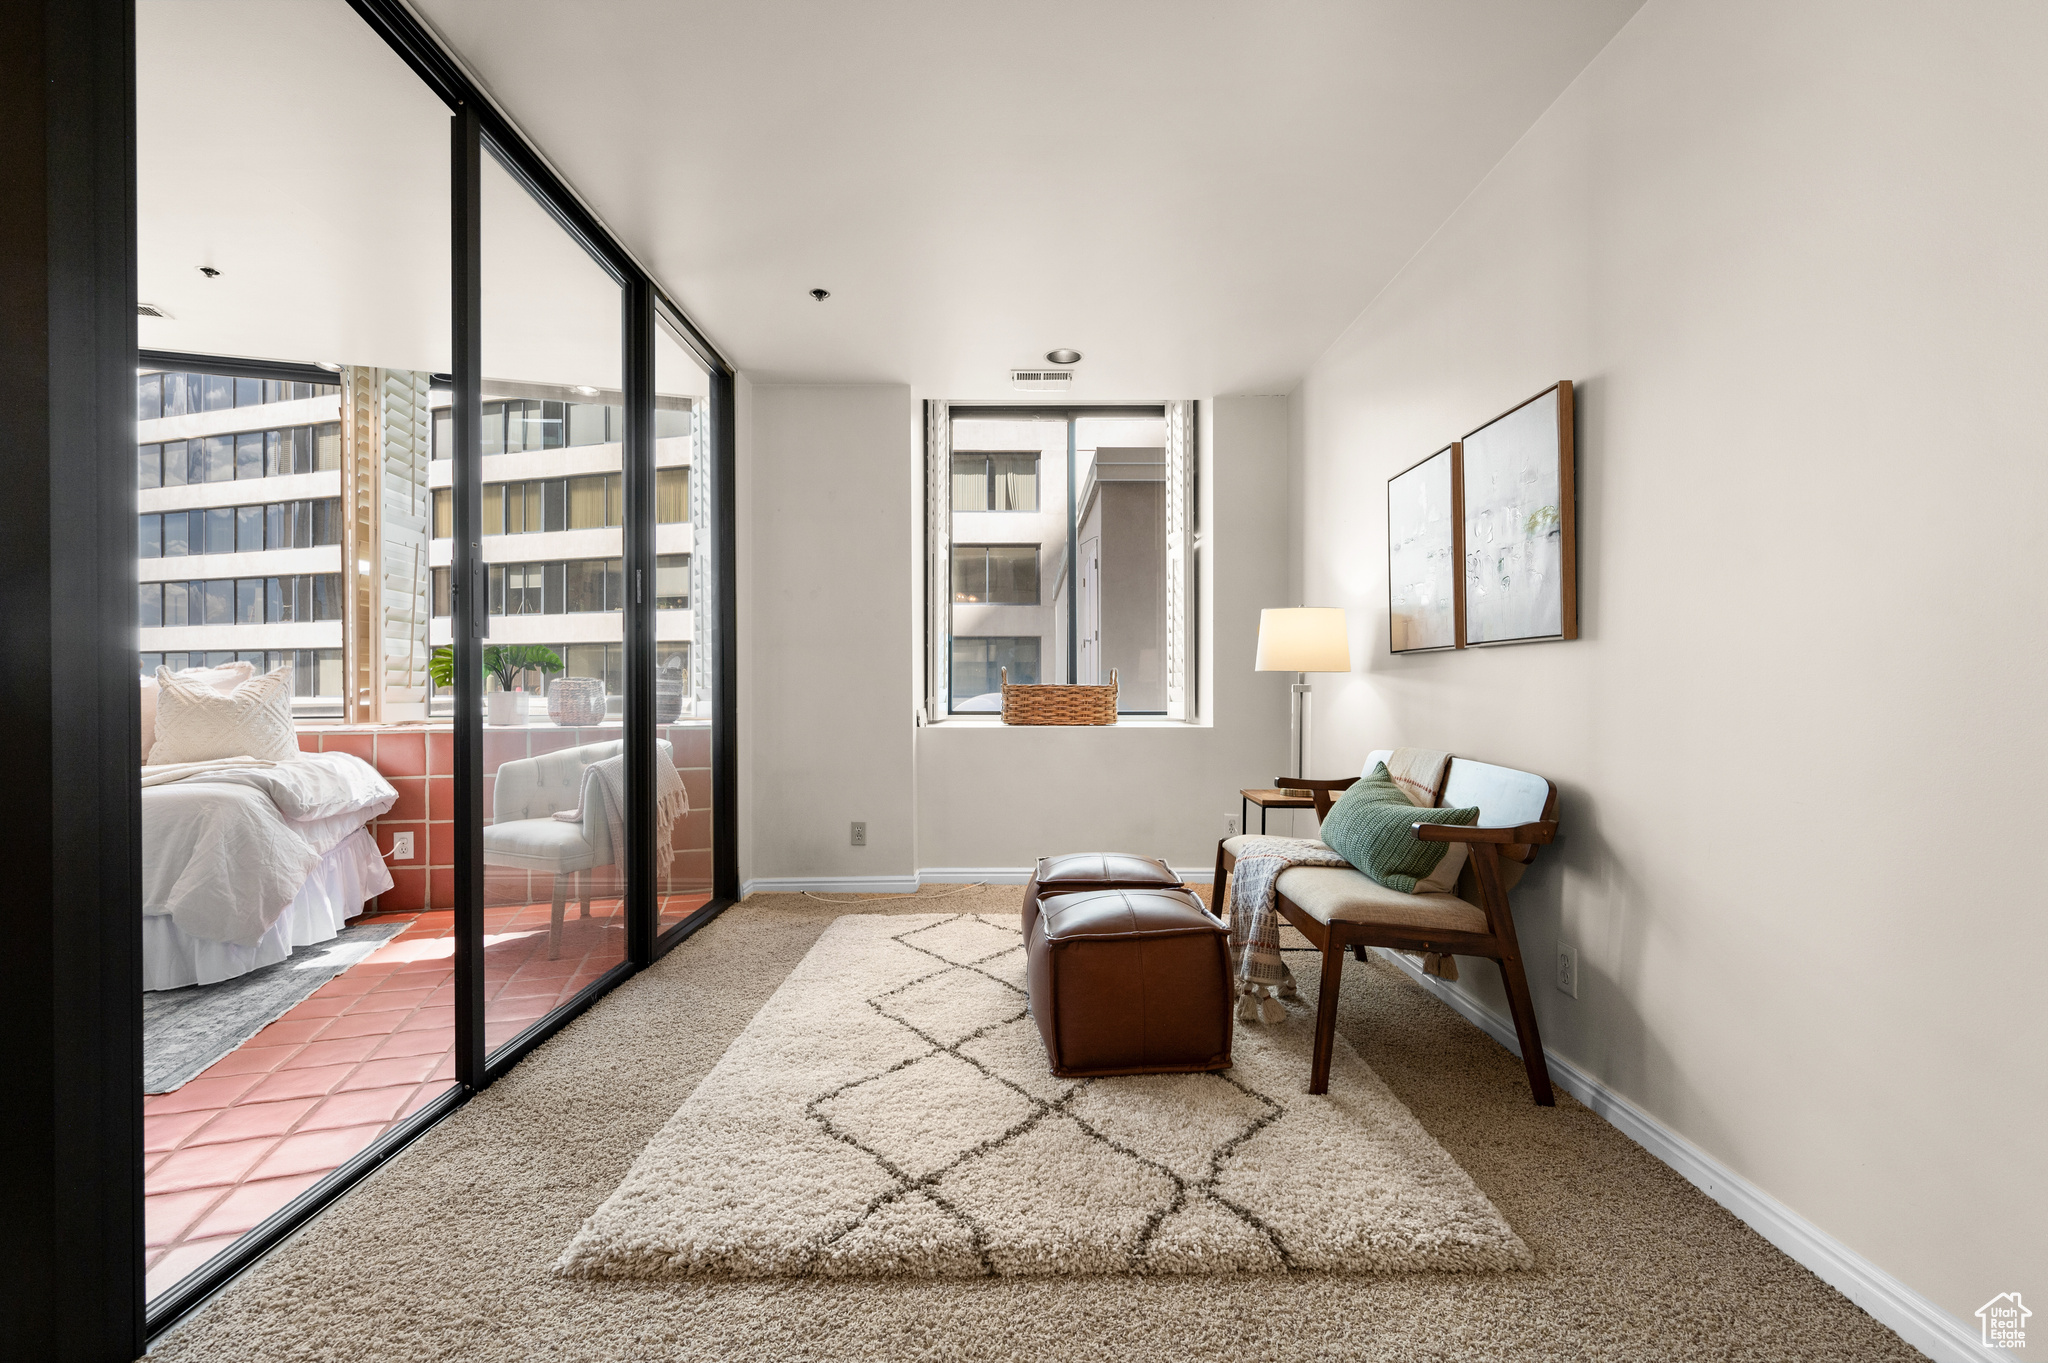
pixel 1059 704
pixel 576 701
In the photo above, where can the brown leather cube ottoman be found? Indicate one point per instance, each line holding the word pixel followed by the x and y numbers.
pixel 1078 871
pixel 1129 982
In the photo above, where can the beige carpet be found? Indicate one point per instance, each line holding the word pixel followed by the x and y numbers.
pixel 448 1252
pixel 890 1111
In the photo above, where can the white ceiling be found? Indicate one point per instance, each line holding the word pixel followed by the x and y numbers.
pixel 1198 195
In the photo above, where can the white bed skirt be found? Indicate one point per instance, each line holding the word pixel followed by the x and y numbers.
pixel 348 877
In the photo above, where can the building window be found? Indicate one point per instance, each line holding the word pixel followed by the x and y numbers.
pixel 169 394
pixel 243 455
pixel 671 496
pixel 995 482
pixel 979 663
pixel 672 582
pixel 1106 499
pixel 575 586
pixel 997 574
pixel 240 529
pixel 515 425
pixel 594 501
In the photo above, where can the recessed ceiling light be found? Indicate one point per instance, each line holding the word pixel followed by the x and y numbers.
pixel 330 366
pixel 151 310
pixel 586 390
pixel 1063 357
pixel 209 272
pixel 821 295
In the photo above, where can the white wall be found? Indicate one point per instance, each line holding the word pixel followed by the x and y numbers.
pixel 1793 255
pixel 826 547
pixel 830 567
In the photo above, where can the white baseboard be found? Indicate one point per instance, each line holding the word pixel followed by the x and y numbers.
pixel 1915 1319
pixel 931 875
pixel 831 885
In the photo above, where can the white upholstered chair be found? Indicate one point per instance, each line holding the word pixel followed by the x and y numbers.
pixel 524 832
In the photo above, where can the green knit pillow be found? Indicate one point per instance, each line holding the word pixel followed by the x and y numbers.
pixel 1370 827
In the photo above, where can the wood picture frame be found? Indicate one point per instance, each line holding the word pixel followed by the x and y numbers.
pixel 1518 511
pixel 1425 554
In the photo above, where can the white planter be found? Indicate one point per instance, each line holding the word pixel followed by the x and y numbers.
pixel 505 707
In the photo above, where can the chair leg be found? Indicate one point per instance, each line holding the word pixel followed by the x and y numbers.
pixel 1326 1013
pixel 583 890
pixel 555 922
pixel 1524 1011
pixel 1218 886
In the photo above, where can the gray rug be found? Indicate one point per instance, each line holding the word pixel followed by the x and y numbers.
pixel 185 1030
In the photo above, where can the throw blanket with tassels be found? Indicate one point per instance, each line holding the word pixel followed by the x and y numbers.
pixel 1262 976
pixel 671 801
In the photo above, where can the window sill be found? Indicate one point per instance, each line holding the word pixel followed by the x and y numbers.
pixel 1123 722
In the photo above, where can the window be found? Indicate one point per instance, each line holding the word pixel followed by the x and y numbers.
pixel 571 587
pixel 672 582
pixel 586 502
pixel 246 454
pixel 174 394
pixel 995 482
pixel 1005 574
pixel 1062 548
pixel 671 496
pixel 594 501
pixel 978 665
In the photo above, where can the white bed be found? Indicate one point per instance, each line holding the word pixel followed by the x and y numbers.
pixel 243 861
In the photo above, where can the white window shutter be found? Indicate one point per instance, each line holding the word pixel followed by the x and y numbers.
pixel 938 534
pixel 1180 559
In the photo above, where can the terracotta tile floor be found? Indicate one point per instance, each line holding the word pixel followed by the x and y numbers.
pixel 269 1120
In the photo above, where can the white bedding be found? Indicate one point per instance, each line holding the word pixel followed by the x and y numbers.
pixel 348 877
pixel 226 847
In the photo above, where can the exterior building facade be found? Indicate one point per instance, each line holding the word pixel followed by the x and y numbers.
pixel 240 527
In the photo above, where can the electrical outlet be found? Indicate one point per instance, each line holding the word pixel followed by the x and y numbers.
pixel 401 847
pixel 1568 970
pixel 1230 825
pixel 860 835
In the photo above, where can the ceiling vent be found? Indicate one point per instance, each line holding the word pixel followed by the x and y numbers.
pixel 151 310
pixel 1042 380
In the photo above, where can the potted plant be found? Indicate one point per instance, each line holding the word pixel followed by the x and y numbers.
pixel 505 662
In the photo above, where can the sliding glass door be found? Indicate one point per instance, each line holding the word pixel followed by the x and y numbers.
pixel 293 256
pixel 424 459
pixel 556 597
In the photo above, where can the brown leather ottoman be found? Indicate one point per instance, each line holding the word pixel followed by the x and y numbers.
pixel 1079 871
pixel 1129 982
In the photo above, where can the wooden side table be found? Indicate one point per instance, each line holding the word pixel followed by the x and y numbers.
pixel 1270 799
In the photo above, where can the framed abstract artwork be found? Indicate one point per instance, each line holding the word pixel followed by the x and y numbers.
pixel 1520 550
pixel 1424 548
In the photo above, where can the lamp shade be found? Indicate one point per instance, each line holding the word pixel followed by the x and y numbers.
pixel 1303 639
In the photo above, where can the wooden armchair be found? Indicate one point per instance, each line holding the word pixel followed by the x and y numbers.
pixel 1338 907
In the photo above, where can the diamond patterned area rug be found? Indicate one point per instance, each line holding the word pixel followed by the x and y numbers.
pixel 890 1112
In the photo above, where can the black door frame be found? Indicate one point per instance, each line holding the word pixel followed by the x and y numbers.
pixel 71 1264
pixel 71 1188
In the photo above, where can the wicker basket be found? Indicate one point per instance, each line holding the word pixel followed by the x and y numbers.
pixel 576 701
pixel 1059 704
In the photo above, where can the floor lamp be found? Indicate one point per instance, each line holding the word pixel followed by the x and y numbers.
pixel 1302 640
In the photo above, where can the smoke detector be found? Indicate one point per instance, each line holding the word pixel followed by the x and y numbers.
pixel 1042 380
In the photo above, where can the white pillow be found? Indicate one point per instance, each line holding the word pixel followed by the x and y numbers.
pixel 222 679
pixel 196 723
